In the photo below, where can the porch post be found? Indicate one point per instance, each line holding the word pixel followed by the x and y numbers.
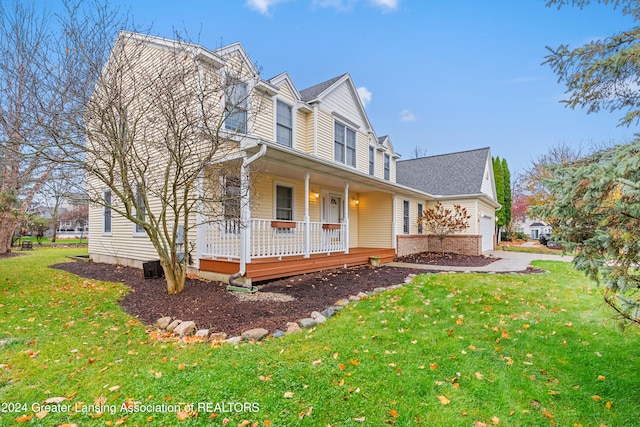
pixel 394 212
pixel 200 224
pixel 307 228
pixel 346 217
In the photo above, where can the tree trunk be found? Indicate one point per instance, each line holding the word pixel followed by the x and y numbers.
pixel 175 277
pixel 7 227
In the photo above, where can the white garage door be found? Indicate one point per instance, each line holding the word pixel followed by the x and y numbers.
pixel 487 231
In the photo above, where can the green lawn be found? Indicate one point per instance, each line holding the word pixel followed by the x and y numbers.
pixel 447 350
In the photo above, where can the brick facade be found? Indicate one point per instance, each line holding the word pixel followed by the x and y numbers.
pixel 463 244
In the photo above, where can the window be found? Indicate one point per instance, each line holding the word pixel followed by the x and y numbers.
pixel 420 213
pixel 236 108
pixel 284 203
pixel 344 146
pixel 284 124
pixel 141 213
pixel 231 192
pixel 372 154
pixel 387 167
pixel 405 217
pixel 106 212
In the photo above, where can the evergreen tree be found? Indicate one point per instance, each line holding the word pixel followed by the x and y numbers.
pixel 506 207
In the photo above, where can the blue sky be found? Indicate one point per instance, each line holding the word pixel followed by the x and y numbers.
pixel 445 76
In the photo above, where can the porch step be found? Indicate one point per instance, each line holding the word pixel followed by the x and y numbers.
pixel 266 269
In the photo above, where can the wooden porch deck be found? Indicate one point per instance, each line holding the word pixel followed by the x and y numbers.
pixel 272 268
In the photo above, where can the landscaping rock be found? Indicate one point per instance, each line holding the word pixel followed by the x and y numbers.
pixel 318 317
pixel 379 290
pixel 354 298
pixel 342 302
pixel 328 312
pixel 362 295
pixel 217 337
pixel 233 340
pixel 307 323
pixel 392 287
pixel 292 328
pixel 185 328
pixel 163 322
pixel 254 334
pixel 173 325
pixel 202 333
pixel 278 334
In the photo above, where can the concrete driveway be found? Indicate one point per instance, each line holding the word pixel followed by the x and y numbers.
pixel 508 262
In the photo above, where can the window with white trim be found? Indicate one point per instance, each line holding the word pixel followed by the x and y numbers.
pixel 106 212
pixel 372 157
pixel 405 216
pixel 284 124
pixel 387 166
pixel 420 213
pixel 141 213
pixel 236 107
pixel 344 146
pixel 284 203
pixel 231 191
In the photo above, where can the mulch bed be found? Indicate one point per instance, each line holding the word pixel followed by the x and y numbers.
pixel 211 306
pixel 451 260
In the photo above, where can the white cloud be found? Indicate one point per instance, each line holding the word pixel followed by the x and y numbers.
pixel 407 116
pixel 339 5
pixel 386 5
pixel 262 6
pixel 365 95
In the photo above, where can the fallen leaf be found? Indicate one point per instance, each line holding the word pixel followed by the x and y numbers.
pixel 601 377
pixel 40 415
pixel 288 394
pixel 444 400
pixel 393 413
pixel 359 419
pixel 24 418
pixel 317 362
pixel 479 375
pixel 433 366
pixel 55 400
pixel 547 413
pixel 608 405
pixel 244 423
pixel 267 423
pixel 354 362
pixel 479 424
pixel 596 398
pixel 495 420
pixel 342 366
pixel 263 378
pixel 306 413
pixel 114 388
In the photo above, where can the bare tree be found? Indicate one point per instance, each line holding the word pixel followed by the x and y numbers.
pixel 24 40
pixel 440 221
pixel 158 135
pixel 417 152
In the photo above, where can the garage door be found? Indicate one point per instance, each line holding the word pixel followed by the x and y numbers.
pixel 487 231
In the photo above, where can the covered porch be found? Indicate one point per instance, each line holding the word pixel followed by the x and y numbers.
pixel 302 215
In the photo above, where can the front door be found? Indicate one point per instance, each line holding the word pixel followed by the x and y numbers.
pixel 335 209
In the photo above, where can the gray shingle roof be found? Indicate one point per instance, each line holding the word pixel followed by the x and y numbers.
pixel 312 92
pixel 446 174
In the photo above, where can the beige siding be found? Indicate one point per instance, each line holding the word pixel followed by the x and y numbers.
pixel 487 181
pixel 375 218
pixel 303 142
pixel 325 135
pixel 342 101
pixel 471 206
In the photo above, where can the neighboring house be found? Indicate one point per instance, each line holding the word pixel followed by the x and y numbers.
pixel 325 191
pixel 465 179
pixel 532 227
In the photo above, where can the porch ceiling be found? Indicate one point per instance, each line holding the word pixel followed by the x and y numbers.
pixel 294 164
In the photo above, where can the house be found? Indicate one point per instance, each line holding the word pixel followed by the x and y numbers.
pixel 532 227
pixel 324 191
pixel 465 179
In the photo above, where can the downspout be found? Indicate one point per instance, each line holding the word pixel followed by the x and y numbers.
pixel 246 217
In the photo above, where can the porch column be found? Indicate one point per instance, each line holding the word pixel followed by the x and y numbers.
pixel 346 217
pixel 394 211
pixel 245 219
pixel 200 224
pixel 307 225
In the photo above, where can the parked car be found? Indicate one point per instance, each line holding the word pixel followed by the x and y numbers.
pixel 549 241
pixel 544 238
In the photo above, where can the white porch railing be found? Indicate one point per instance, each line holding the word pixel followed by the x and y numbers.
pixel 274 238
